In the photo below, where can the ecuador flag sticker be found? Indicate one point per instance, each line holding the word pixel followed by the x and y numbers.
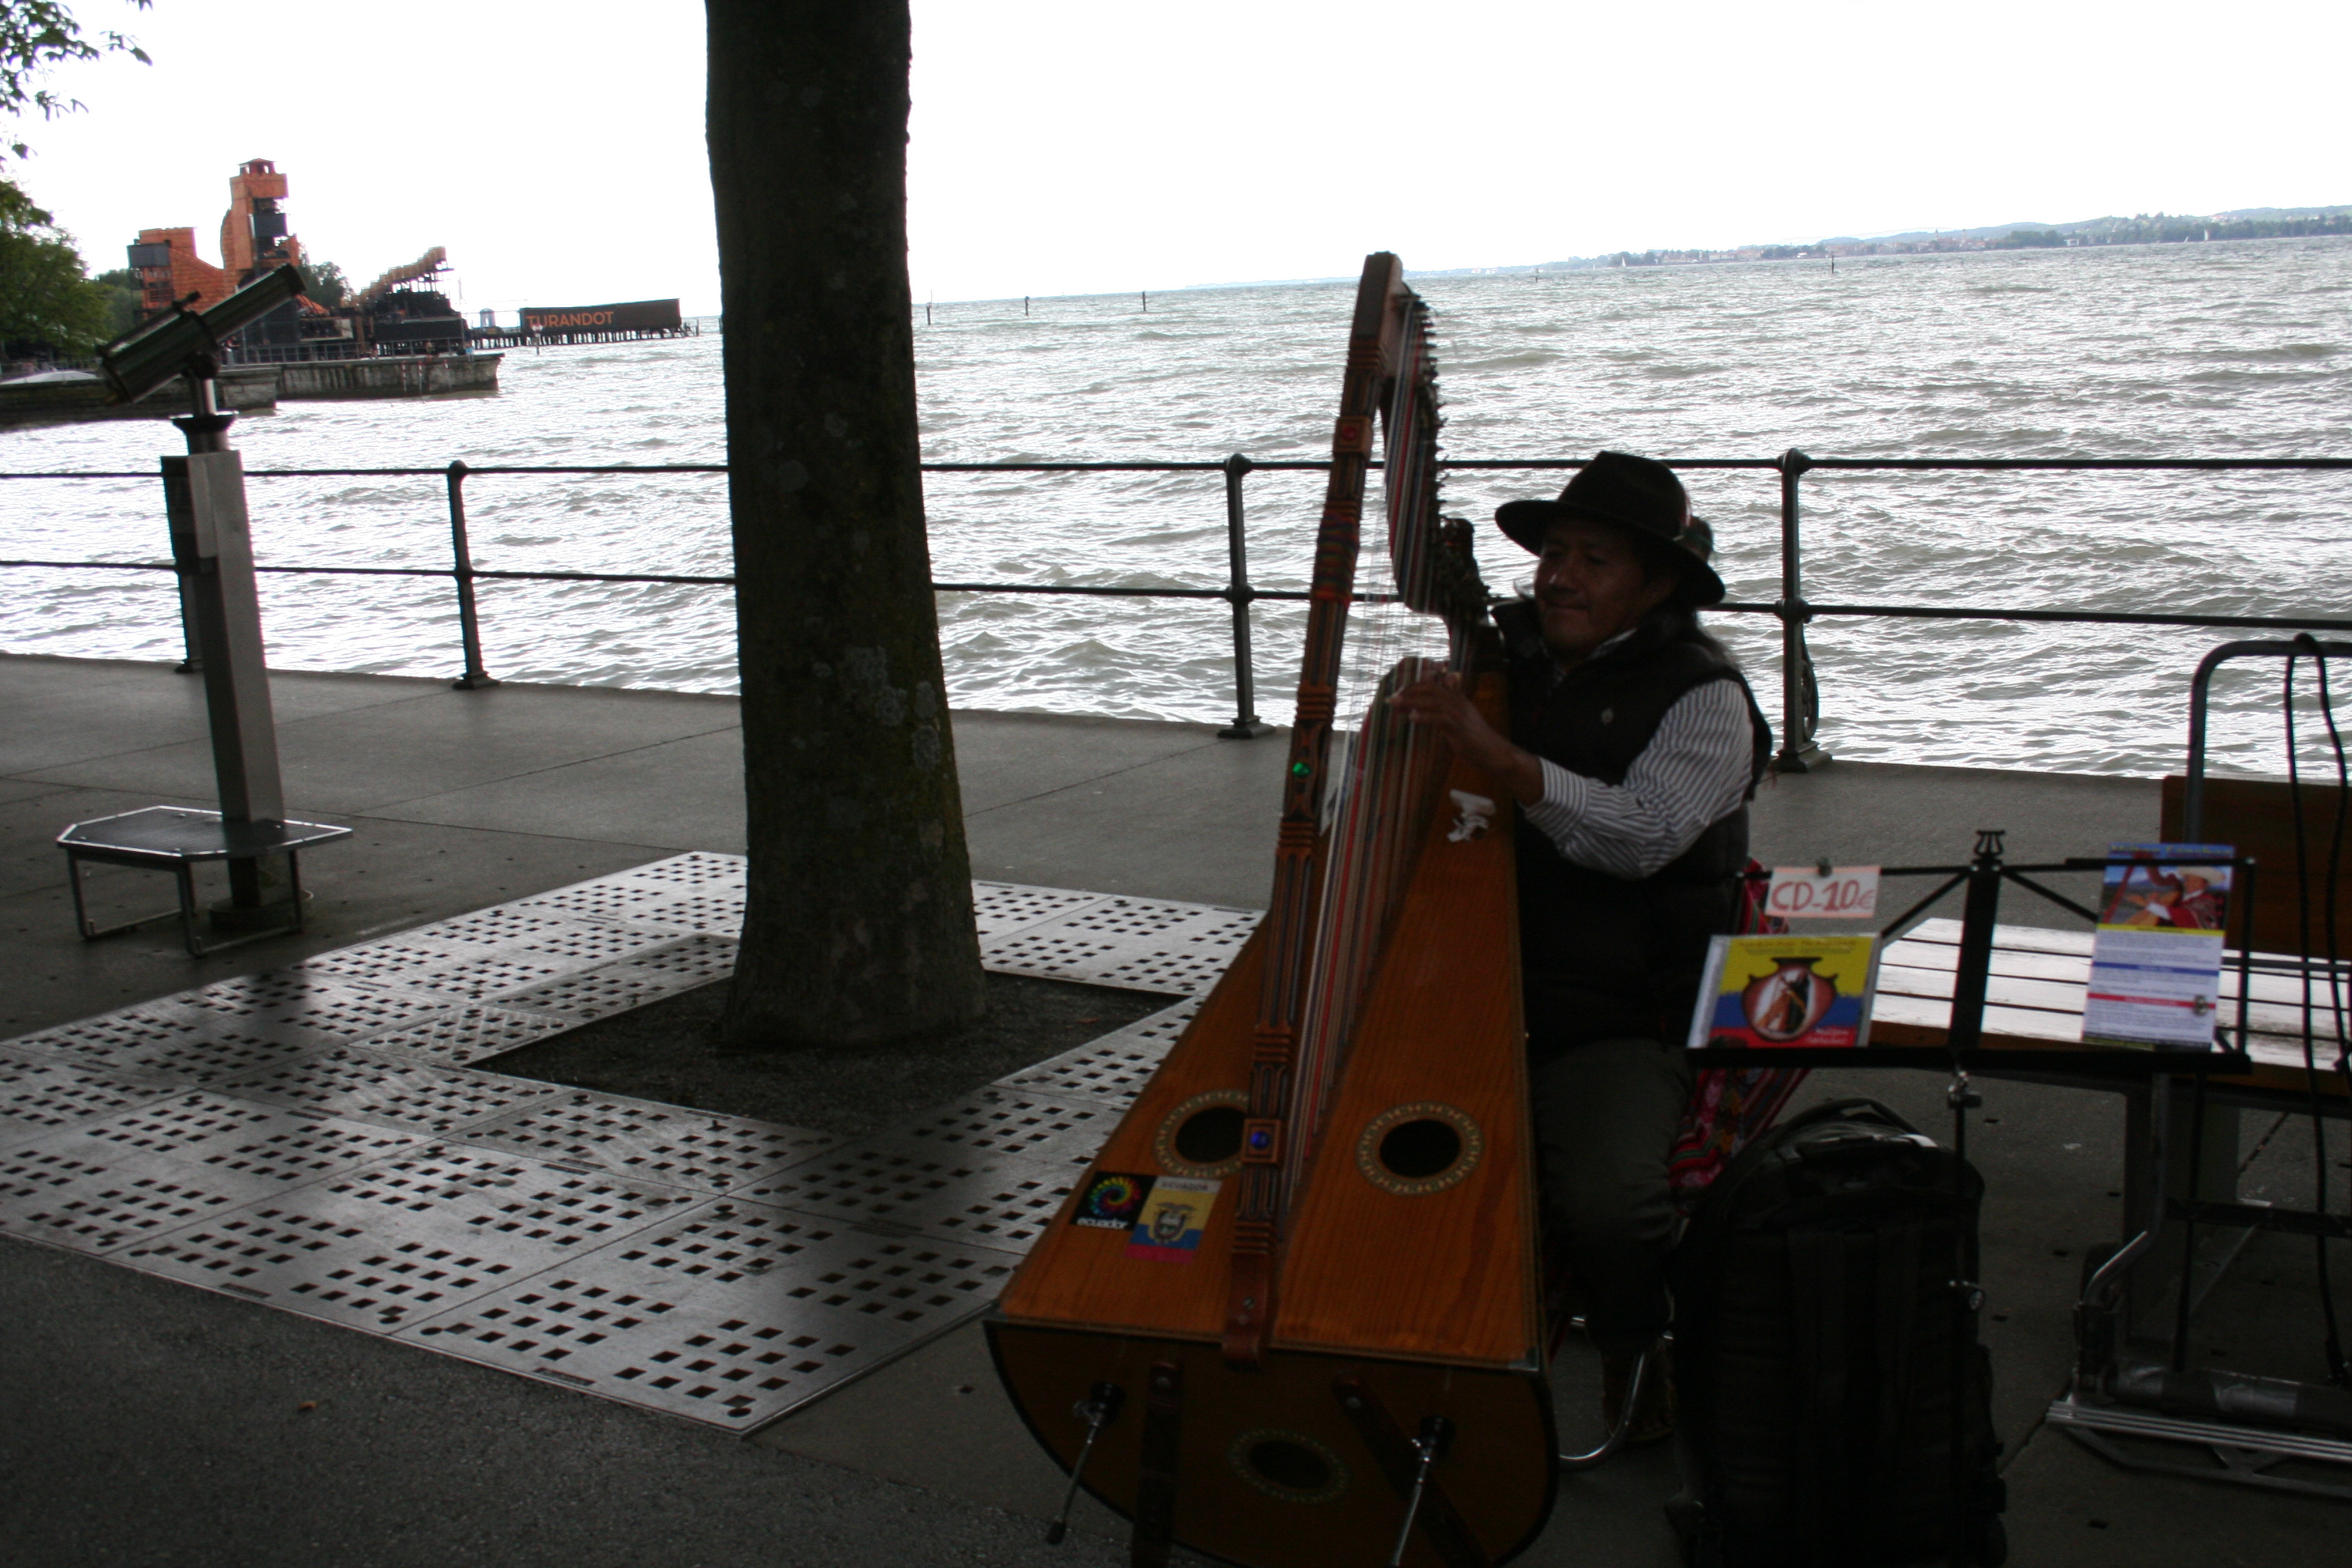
pixel 1173 1220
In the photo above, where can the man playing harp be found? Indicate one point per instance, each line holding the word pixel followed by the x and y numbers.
pixel 1635 746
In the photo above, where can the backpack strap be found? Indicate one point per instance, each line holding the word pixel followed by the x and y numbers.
pixel 1817 1332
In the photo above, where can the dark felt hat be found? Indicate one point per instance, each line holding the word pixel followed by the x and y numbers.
pixel 1638 495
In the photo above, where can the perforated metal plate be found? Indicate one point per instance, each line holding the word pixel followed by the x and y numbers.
pixel 596 900
pixel 530 950
pixel 535 1211
pixel 491 975
pixel 304 1256
pixel 724 1243
pixel 579 943
pixel 503 925
pixel 729 1351
pixel 39 1096
pixel 696 870
pixel 1021 1122
pixel 999 1201
pixel 301 1007
pixel 627 983
pixel 651 1142
pixel 1004 908
pixel 403 1237
pixel 171 1045
pixel 389 962
pixel 1149 944
pixel 361 1086
pixel 719 913
pixel 218 1132
pixel 687 892
pixel 467 1033
pixel 94 1197
pixel 1052 953
pixel 916 1285
pixel 1113 1068
pixel 719 1360
pixel 308 1139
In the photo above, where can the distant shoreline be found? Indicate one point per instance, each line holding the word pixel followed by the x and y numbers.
pixel 1968 242
pixel 2159 229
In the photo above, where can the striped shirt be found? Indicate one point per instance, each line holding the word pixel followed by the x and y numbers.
pixel 1693 774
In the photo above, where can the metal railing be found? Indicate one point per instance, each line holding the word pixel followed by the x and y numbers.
pixel 1799 695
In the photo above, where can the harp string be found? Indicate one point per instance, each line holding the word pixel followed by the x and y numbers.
pixel 1381 788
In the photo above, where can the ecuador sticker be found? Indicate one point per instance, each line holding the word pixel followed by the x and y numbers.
pixel 1112 1201
pixel 1174 1217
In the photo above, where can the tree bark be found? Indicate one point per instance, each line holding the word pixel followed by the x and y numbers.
pixel 859 924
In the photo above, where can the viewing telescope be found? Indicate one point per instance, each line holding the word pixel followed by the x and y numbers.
pixel 153 353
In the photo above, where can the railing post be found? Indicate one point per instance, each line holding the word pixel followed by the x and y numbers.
pixel 1246 725
pixel 1801 706
pixel 469 627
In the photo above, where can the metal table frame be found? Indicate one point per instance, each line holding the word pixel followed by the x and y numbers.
pixel 174 838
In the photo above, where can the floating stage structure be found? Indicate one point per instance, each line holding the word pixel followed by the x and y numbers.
pixel 633 321
pixel 399 337
pixel 388 375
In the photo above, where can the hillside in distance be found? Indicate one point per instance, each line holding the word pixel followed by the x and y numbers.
pixel 2142 229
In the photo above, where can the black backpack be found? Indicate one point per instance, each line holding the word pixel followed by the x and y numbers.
pixel 1826 1352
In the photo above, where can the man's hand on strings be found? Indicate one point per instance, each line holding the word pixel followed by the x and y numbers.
pixel 1439 704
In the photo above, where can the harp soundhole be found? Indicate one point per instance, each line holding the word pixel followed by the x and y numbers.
pixel 1211 1137
pixel 1203 1137
pixel 1414 1149
pixel 1420 1149
pixel 1288 1465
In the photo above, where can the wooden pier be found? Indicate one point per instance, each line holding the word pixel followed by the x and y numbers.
pixel 625 321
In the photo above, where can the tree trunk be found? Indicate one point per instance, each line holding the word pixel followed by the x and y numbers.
pixel 859 925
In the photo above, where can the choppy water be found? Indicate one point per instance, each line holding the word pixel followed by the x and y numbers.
pixel 2220 350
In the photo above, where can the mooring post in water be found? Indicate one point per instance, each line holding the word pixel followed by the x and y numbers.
pixel 1024 304
pixel 1800 696
pixel 469 625
pixel 1246 725
pixel 1147 302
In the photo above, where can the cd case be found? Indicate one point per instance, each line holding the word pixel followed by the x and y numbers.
pixel 1786 991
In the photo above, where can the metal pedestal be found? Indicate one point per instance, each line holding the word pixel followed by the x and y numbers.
pixel 174 838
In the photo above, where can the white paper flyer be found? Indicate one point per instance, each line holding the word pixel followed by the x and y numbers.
pixel 2156 962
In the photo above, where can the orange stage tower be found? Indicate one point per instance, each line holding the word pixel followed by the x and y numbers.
pixel 253 238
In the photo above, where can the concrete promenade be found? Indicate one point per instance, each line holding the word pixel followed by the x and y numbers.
pixel 150 1423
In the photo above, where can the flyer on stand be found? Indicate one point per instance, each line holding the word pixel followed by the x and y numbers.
pixel 2155 960
pixel 1784 992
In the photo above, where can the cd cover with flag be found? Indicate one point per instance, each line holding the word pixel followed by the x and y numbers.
pixel 1782 992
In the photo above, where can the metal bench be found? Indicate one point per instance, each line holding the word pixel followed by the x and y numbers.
pixel 174 838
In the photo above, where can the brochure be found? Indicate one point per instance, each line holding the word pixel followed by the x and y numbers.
pixel 1786 991
pixel 2156 962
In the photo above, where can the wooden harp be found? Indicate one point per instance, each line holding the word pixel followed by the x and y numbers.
pixel 1351 1352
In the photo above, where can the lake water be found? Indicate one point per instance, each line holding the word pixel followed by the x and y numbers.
pixel 2220 350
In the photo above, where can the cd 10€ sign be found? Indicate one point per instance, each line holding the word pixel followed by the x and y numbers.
pixel 1823 892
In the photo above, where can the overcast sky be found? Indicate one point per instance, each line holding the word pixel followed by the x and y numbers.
pixel 1077 146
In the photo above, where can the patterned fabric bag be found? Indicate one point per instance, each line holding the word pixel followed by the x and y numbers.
pixel 1729 1106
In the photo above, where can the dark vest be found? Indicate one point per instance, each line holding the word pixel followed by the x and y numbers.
pixel 1600 957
